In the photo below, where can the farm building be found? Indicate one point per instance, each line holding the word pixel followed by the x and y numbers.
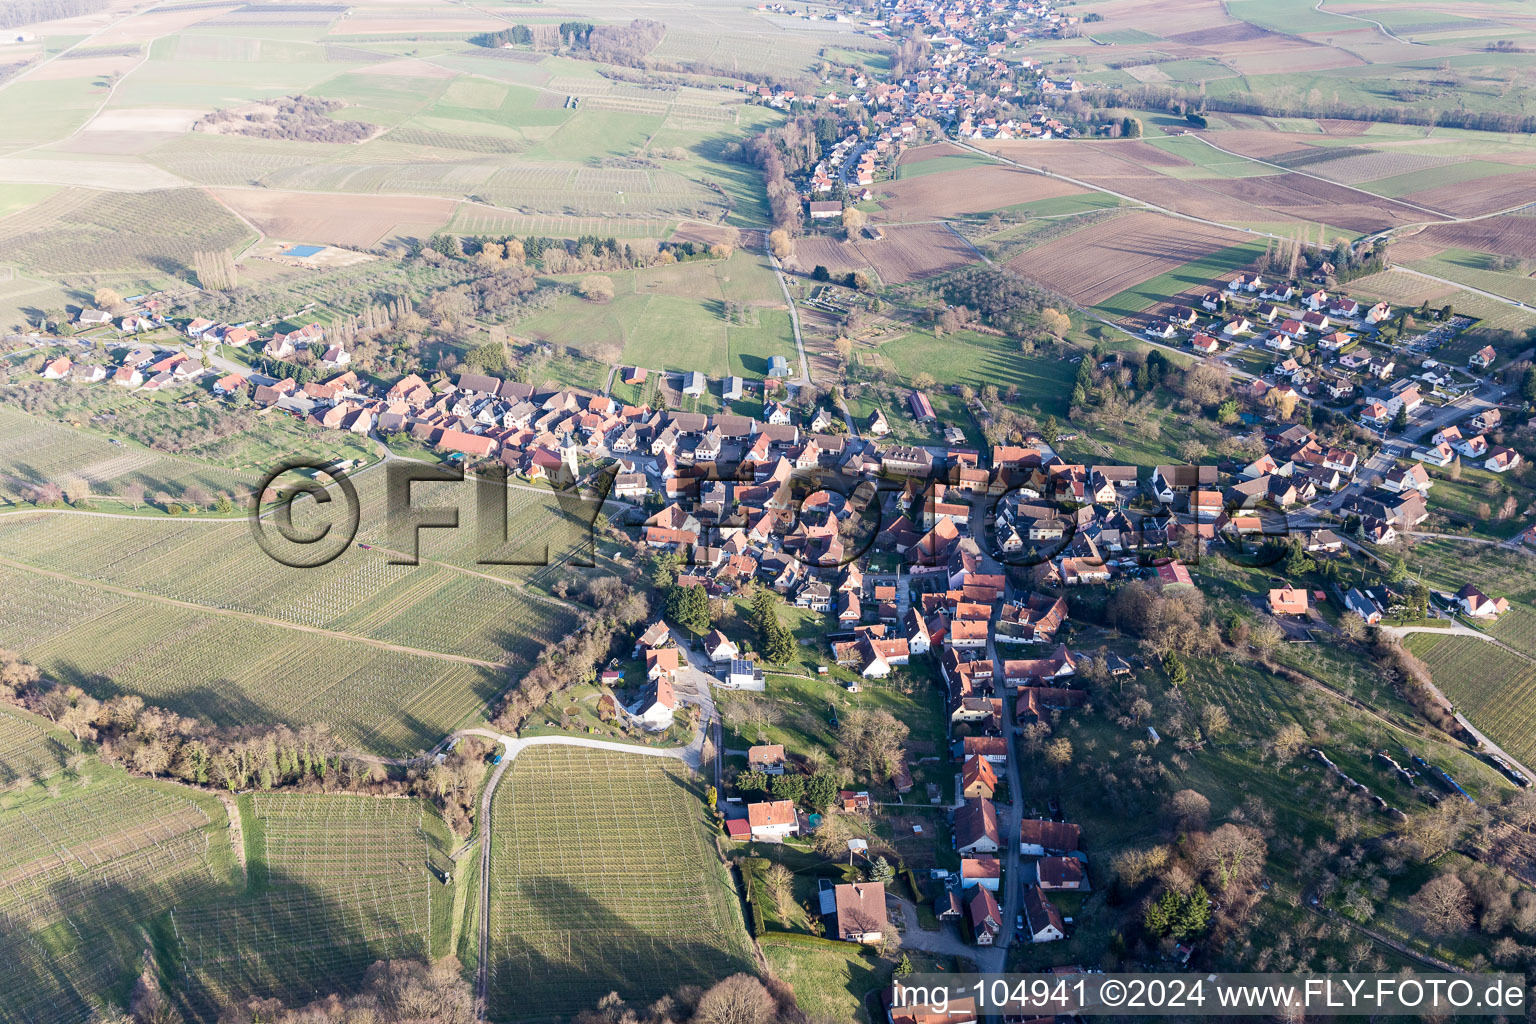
pixel 826 210
pixel 922 409
pixel 778 366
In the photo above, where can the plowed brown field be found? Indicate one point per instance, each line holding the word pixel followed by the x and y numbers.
pixel 970 190
pixel 1106 258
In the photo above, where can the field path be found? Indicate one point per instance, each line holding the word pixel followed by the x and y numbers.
pixel 1439 215
pixel 794 320
pixel 511 747
pixel 252 617
pixel 1135 203
pixel 83 40
pixel 1369 21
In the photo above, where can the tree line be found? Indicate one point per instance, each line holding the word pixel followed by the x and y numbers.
pixel 157 742
pixel 28 12
pixel 1287 104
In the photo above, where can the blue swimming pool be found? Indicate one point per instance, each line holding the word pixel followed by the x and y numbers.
pixel 302 251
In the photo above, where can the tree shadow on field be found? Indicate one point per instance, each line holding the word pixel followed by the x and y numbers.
pixel 207 939
pixel 735 177
pixel 591 951
pixel 291 942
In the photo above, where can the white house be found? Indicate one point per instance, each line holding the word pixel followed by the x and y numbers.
pixel 719 648
pixel 654 710
pixel 744 675
pixel 1042 921
pixel 773 819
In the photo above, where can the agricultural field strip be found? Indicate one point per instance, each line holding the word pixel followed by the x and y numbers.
pixel 646 849
pixel 1517 628
pixel 27 751
pixel 382 700
pixel 214 565
pixel 1494 687
pixel 74 837
pixel 349 885
pixel 253 617
pixel 52 452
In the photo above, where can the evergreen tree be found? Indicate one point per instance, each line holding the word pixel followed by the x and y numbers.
pixel 780 647
pixel 821 790
pixel 688 607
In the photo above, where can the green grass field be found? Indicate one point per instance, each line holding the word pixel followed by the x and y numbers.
pixel 968 357
pixel 674 318
pixel 936 164
pixel 602 880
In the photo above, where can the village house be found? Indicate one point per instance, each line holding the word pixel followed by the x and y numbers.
pixel 766 758
pixel 773 820
pixel 860 909
pixel 1042 921
pixel 976 826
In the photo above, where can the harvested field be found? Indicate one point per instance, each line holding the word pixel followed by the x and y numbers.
pixel 1292 59
pixel 1234 33
pixel 906 253
pixel 1229 200
pixel 1106 258
pixel 1311 199
pixel 1148 155
pixel 1074 159
pixel 699 232
pixel 1414 247
pixel 357 221
pixel 1507 236
pixel 970 190
pixel 160 119
pixel 918 154
pixel 1261 144
pixel 1483 195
